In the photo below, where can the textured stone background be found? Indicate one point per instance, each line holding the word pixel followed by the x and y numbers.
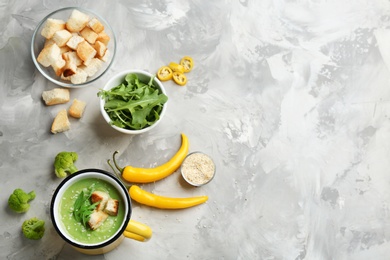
pixel 290 98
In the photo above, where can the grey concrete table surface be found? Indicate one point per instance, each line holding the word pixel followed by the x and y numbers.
pixel 290 98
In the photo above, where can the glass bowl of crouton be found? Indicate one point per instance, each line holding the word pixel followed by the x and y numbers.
pixel 73 47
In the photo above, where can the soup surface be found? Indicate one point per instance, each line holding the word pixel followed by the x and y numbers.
pixel 74 228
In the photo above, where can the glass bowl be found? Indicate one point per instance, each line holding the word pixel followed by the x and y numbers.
pixel 38 42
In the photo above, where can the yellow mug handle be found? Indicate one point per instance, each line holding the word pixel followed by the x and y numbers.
pixel 138 231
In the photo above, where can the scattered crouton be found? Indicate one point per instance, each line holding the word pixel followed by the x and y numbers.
pixel 61 122
pixel 96 25
pixel 51 26
pixel 74 41
pixel 77 21
pixel 56 96
pixel 96 219
pixel 69 69
pixel 77 108
pixel 112 207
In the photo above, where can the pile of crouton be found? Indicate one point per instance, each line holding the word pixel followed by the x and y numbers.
pixel 107 206
pixel 75 49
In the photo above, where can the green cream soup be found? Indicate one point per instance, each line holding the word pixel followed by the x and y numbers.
pixel 74 228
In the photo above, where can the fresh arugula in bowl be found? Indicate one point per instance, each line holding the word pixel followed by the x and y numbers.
pixel 133 104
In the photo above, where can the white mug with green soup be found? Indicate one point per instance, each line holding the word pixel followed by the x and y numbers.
pixel 91 211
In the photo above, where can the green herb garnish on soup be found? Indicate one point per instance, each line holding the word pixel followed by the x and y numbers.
pixel 133 104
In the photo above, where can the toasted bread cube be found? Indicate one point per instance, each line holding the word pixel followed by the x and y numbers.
pixel 85 51
pixel 61 122
pixel 55 96
pixel 100 48
pixel 96 25
pixel 112 207
pixel 58 65
pixel 74 41
pixel 48 42
pixel 51 26
pixel 106 56
pixel 77 108
pixel 80 77
pixel 64 49
pixel 49 55
pixel 72 56
pixel 101 197
pixel 103 37
pixel 69 69
pixel 61 37
pixel 89 35
pixel 93 66
pixel 77 21
pixel 96 219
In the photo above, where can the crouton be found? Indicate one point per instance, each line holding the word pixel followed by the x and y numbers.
pixel 96 219
pixel 85 51
pixel 101 197
pixel 61 37
pixel 56 96
pixel 77 21
pixel 96 25
pixel 74 41
pixel 58 65
pixel 106 56
pixel 61 122
pixel 79 77
pixel 69 69
pixel 93 66
pixel 112 207
pixel 77 108
pixel 48 42
pixel 51 26
pixel 64 49
pixel 89 35
pixel 103 37
pixel 72 56
pixel 49 55
pixel 100 48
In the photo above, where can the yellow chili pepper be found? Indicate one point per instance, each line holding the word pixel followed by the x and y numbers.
pixel 152 200
pixel 164 73
pixel 187 63
pixel 146 175
pixel 179 78
pixel 176 67
pixel 138 231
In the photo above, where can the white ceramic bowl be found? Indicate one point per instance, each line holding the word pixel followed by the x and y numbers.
pixel 117 80
pixel 38 42
pixel 109 243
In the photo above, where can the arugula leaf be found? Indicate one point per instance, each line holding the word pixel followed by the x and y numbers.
pixel 133 104
pixel 83 208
